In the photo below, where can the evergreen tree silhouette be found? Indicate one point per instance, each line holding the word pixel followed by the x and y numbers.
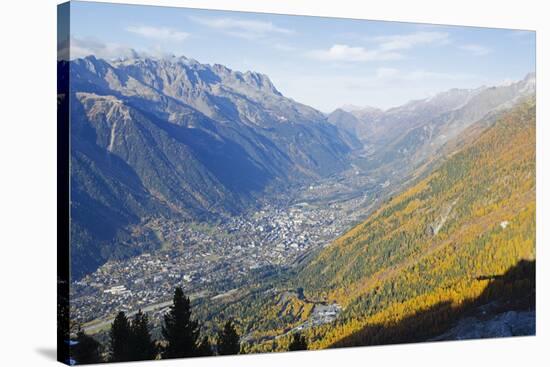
pixel 298 342
pixel 88 350
pixel 142 347
pixel 205 348
pixel 179 330
pixel 120 334
pixel 228 340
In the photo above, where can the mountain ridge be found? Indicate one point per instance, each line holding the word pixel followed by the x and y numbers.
pixel 442 103
pixel 197 140
pixel 203 141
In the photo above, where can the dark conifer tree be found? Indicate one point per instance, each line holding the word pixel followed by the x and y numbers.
pixel 119 346
pixel 298 342
pixel 205 348
pixel 142 347
pixel 179 330
pixel 87 351
pixel 228 340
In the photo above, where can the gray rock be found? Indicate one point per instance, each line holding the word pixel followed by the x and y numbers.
pixel 511 323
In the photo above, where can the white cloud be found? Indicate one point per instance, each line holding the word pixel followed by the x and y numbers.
pixel 340 52
pixel 159 33
pixel 407 41
pixel 476 50
pixel 384 48
pixel 63 49
pixel 249 29
pixel 80 47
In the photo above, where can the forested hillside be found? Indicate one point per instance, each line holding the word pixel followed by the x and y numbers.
pixel 458 242
pixel 444 241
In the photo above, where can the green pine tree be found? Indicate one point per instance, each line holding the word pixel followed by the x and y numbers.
pixel 88 350
pixel 228 340
pixel 179 330
pixel 119 346
pixel 142 347
pixel 298 342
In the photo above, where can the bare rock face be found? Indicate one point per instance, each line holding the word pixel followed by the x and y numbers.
pixel 510 323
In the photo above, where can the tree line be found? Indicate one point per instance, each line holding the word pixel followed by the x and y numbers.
pixel 130 339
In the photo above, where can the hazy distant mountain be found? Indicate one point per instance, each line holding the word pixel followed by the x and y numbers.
pixel 173 136
pixel 413 132
pixel 360 121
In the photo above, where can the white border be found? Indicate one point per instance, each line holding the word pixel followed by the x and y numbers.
pixel 28 174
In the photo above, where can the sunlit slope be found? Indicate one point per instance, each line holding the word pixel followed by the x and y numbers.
pixel 439 241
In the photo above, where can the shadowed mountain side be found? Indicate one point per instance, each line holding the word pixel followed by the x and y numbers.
pixel 229 161
pixel 511 291
pixel 175 138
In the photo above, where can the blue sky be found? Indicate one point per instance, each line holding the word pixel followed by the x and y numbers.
pixel 322 62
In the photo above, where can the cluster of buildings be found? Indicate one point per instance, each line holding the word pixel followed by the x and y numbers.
pixel 206 259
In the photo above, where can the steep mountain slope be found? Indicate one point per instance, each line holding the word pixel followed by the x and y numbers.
pixel 186 93
pixel 406 136
pixel 443 241
pixel 362 122
pixel 175 137
pixel 450 113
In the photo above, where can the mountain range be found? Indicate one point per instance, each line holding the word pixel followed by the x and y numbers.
pixel 174 137
pixel 410 134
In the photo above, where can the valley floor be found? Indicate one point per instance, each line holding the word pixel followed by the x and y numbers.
pixel 214 259
pixel 452 256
